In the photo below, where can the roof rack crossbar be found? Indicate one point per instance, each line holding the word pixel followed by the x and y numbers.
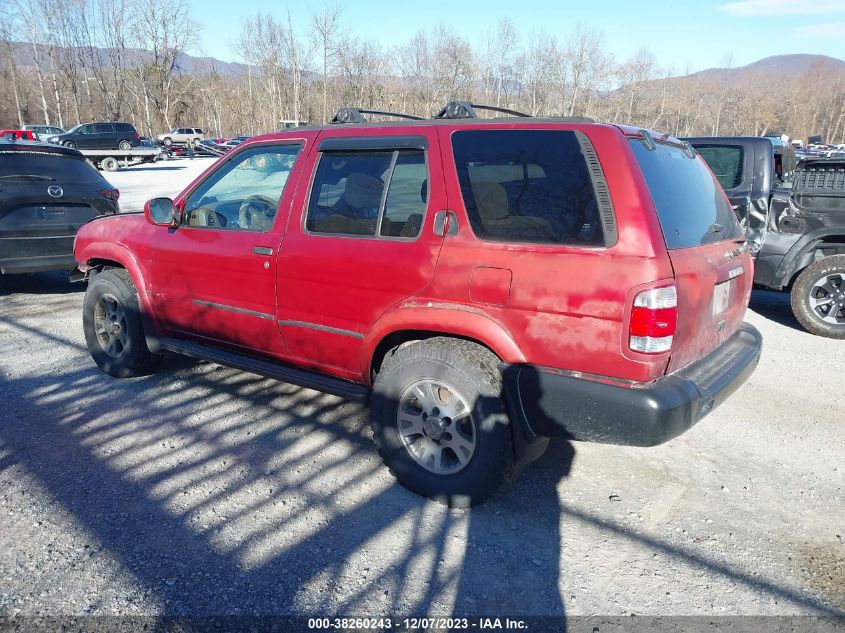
pixel 354 115
pixel 467 110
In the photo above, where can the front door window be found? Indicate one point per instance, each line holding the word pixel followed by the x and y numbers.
pixel 243 194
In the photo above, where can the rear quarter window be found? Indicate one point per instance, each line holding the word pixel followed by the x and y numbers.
pixel 123 127
pixel 527 186
pixel 691 205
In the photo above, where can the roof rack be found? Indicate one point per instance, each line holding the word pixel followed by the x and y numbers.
pixel 467 110
pixel 353 115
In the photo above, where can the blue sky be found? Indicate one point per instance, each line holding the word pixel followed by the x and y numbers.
pixel 683 34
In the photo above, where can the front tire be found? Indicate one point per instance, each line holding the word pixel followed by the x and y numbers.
pixel 70 144
pixel 167 141
pixel 818 297
pixel 111 321
pixel 440 423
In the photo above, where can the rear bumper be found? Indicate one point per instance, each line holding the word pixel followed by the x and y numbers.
pixel 36 254
pixel 552 403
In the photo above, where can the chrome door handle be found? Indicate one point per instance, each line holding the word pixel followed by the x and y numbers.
pixel 262 250
pixel 445 223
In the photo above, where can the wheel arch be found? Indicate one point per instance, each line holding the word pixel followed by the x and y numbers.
pixel 103 256
pixel 812 248
pixel 406 325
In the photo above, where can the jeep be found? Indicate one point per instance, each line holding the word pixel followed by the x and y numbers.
pixel 487 283
pixel 795 223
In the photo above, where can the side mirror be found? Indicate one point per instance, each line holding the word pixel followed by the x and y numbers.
pixel 163 212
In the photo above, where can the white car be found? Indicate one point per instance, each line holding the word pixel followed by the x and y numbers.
pixel 182 135
pixel 44 132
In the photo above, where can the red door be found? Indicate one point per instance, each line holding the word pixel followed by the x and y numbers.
pixel 214 277
pixel 364 241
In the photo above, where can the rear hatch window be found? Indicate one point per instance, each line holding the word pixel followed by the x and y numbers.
pixel 35 165
pixel 691 205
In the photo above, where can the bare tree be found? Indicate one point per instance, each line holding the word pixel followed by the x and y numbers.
pixel 326 31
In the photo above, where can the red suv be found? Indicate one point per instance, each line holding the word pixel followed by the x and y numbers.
pixel 487 283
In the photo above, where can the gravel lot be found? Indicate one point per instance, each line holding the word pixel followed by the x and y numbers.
pixel 203 490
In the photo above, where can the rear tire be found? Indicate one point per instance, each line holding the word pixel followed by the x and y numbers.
pixel 167 141
pixel 818 297
pixel 109 163
pixel 420 389
pixel 124 145
pixel 111 321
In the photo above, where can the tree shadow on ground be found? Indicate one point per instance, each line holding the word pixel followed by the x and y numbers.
pixel 223 493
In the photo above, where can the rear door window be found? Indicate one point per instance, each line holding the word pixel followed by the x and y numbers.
pixel 369 193
pixel 725 161
pixel 691 205
pixel 527 186
pixel 123 127
pixel 103 128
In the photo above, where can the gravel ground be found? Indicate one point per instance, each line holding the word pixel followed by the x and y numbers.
pixel 207 491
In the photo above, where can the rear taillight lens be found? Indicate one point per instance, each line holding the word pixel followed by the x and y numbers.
pixel 653 320
pixel 111 194
pixel 137 136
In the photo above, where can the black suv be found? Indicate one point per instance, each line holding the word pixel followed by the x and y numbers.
pixel 794 219
pixel 46 193
pixel 121 136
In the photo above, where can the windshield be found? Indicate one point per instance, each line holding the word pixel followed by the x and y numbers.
pixel 691 205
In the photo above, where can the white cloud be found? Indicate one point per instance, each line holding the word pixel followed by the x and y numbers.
pixel 829 29
pixel 783 7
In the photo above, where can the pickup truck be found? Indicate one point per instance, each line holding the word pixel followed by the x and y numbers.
pixel 794 218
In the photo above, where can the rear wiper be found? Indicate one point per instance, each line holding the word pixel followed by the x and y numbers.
pixel 26 177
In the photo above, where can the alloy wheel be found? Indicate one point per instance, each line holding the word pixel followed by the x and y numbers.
pixel 110 325
pixel 827 298
pixel 436 426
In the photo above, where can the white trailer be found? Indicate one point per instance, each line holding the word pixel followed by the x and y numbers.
pixel 114 159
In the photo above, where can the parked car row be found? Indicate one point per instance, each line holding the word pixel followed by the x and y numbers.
pixel 486 284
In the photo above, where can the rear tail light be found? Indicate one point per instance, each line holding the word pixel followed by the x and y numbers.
pixel 111 194
pixel 137 136
pixel 653 320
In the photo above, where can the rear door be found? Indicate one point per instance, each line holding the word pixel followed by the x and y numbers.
pixel 364 241
pixel 706 245
pixel 104 136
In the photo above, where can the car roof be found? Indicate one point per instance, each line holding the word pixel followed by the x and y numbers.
pixel 41 147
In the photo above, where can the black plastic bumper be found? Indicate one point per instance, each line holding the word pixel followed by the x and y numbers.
pixel 551 403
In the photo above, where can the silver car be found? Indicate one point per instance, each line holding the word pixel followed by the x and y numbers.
pixel 182 135
pixel 44 132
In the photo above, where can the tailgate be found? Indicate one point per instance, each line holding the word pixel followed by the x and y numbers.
pixel 714 286
pixel 705 243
